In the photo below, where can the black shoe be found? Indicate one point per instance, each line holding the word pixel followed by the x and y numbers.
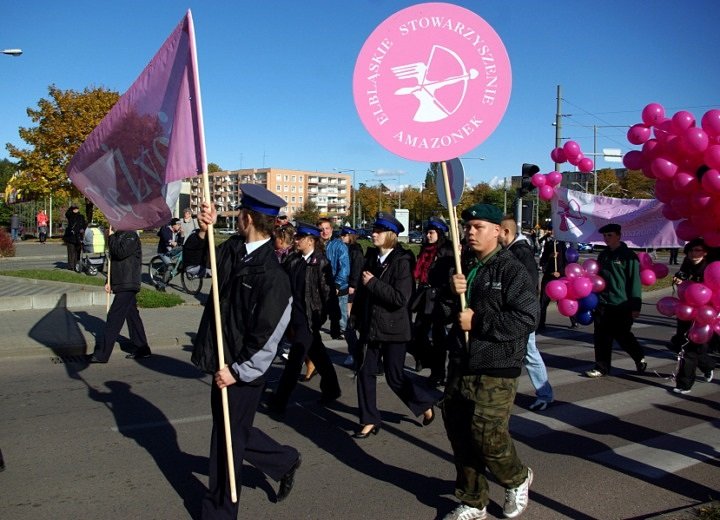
pixel 288 480
pixel 426 421
pixel 90 358
pixel 360 435
pixel 141 353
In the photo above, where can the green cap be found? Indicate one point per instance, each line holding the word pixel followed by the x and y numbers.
pixel 486 212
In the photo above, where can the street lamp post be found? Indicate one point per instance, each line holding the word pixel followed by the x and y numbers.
pixel 353 190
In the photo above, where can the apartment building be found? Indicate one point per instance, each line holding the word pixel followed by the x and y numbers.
pixel 331 192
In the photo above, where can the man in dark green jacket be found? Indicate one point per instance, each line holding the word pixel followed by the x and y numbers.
pixel 619 305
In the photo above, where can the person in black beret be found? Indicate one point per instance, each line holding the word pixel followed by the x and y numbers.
pixel 357 259
pixel 619 303
pixel 381 315
pixel 487 346
pixel 313 295
pixel 256 305
pixel 432 301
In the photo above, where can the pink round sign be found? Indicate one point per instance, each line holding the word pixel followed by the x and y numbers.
pixel 432 82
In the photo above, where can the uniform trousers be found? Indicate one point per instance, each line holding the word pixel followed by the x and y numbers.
pixel 477 417
pixel 393 356
pixel 248 443
pixel 123 309
pixel 613 322
pixel 317 352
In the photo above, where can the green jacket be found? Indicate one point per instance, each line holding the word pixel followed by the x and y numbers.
pixel 621 271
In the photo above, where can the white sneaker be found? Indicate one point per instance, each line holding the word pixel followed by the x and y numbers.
pixel 285 355
pixel 539 405
pixel 708 377
pixel 681 391
pixel 594 373
pixel 516 499
pixel 349 361
pixel 465 512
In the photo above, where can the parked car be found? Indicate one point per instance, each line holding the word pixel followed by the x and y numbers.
pixel 415 237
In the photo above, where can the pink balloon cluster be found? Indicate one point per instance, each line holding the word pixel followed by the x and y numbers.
pixel 575 292
pixel 546 184
pixel 651 272
pixel 571 153
pixel 697 302
pixel 685 161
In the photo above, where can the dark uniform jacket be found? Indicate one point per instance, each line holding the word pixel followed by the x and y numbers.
pixel 255 307
pixel 547 260
pixel 76 225
pixel 381 307
pixel 126 261
pixel 313 287
pixel 505 306
pixel 357 261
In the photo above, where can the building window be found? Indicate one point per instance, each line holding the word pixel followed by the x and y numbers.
pixel 292 189
pixel 300 178
pixel 286 178
pixel 292 199
pixel 292 178
pixel 277 187
pixel 285 188
pixel 300 199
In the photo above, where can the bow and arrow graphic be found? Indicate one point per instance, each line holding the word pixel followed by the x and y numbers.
pixel 431 109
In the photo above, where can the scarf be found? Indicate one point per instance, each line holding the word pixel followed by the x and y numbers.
pixel 424 261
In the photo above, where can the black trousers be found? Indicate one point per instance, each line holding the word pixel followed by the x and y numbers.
pixel 248 443
pixel 393 356
pixel 432 354
pixel 317 352
pixel 694 357
pixel 123 308
pixel 73 254
pixel 613 322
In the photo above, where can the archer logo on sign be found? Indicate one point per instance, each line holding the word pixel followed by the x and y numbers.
pixel 432 82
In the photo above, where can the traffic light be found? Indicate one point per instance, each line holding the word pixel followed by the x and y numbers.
pixel 526 186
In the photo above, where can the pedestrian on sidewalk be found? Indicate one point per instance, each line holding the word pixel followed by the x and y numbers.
pixel 255 304
pixel 314 295
pixel 519 246
pixel 619 303
pixel 42 225
pixel 73 236
pixel 381 315
pixel 126 261
pixel 15 224
pixel 502 310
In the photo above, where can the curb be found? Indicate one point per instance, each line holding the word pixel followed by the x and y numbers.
pixel 49 295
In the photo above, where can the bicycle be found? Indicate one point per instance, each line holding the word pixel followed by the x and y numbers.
pixel 163 268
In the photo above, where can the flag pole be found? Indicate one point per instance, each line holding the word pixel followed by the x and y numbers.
pixel 213 269
pixel 455 235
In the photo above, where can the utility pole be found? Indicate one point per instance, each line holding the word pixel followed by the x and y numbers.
pixel 558 124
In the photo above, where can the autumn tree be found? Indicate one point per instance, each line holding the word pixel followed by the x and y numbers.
pixel 63 122
pixel 309 213
pixel 213 167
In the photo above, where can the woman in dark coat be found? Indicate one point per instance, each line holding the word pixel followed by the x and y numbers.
pixel 313 292
pixel 433 301
pixel 380 313
pixel 73 235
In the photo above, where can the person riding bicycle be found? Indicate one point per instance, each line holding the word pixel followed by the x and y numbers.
pixel 168 237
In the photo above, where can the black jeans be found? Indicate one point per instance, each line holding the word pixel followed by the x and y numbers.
pixel 613 322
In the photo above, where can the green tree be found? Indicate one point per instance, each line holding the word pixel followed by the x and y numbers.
pixel 638 186
pixel 213 167
pixel 309 213
pixel 63 122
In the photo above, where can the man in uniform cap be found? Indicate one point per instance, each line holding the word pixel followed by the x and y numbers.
pixel 619 304
pixel 256 302
pixel 501 312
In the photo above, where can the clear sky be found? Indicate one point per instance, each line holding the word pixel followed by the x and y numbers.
pixel 276 75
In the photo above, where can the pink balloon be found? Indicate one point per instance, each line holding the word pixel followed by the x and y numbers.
pixel 682 120
pixel 574 270
pixel 582 286
pixel 651 149
pixel 663 168
pixel 664 191
pixel 667 305
pixel 686 231
pixel 568 307
pixel 546 192
pixel 716 326
pixel 646 260
pixel 695 140
pixel 558 155
pixel 591 266
pixel 700 201
pixel 660 270
pixel 556 290
pixel 711 277
pixel 684 182
pixel 571 149
pixel 586 165
pixel 598 283
pixel 538 180
pixel 553 178
pixel 705 315
pixel 681 205
pixel 638 134
pixel 669 213
pixel 700 333
pixel 685 312
pixel 653 113
pixel 712 239
pixel 697 294
pixel 576 159
pixel 663 131
pixel 710 122
pixel 647 277
pixel 711 181
pixel 633 160
pixel 711 156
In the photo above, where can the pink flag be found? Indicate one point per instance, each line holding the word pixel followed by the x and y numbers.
pixel 577 216
pixel 131 164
